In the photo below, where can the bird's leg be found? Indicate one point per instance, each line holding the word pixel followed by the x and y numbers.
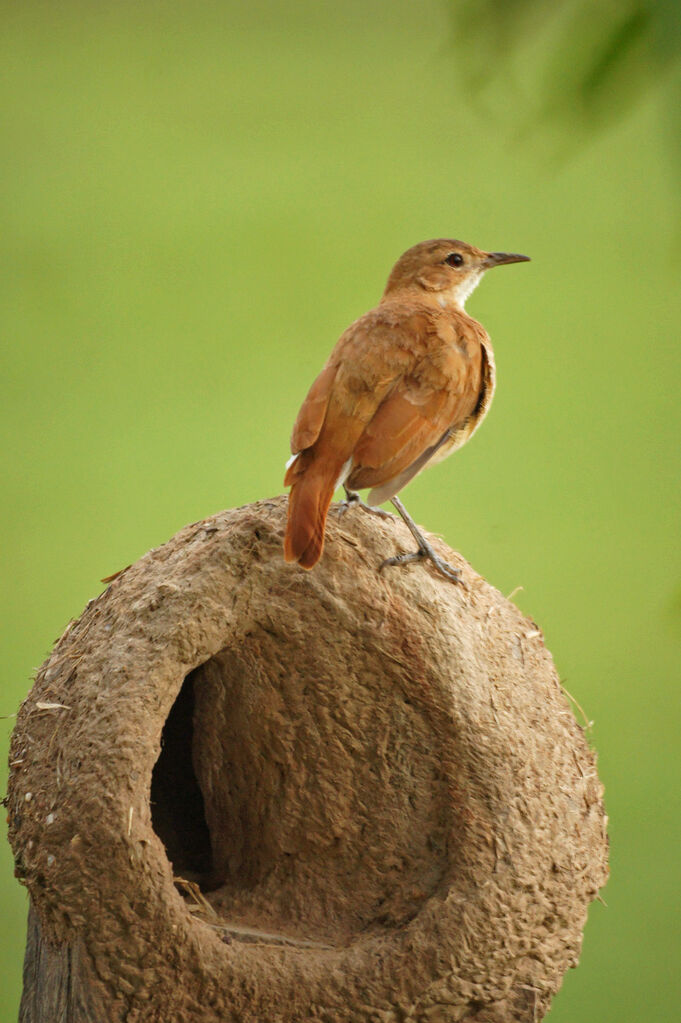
pixel 353 500
pixel 425 549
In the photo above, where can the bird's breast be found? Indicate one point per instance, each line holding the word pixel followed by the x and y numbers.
pixel 462 432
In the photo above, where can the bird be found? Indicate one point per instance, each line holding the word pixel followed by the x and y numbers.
pixel 406 384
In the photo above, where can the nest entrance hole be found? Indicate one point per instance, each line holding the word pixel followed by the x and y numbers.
pixel 177 808
pixel 305 804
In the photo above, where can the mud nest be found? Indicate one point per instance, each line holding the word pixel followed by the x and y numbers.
pixel 244 792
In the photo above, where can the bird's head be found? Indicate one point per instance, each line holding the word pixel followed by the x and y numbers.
pixel 445 269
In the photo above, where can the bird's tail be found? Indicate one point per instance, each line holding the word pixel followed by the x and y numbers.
pixel 308 504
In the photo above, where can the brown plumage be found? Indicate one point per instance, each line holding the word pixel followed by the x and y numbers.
pixel 405 385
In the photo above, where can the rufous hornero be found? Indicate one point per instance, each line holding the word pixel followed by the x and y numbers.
pixel 406 385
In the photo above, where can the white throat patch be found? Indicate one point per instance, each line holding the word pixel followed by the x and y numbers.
pixel 460 292
pixel 466 288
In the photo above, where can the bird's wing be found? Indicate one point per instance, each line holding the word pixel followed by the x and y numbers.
pixel 313 410
pixel 366 361
pixel 415 418
pixel 385 490
pixel 391 388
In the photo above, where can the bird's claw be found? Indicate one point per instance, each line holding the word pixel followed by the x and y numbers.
pixel 344 505
pixel 442 566
pixel 353 500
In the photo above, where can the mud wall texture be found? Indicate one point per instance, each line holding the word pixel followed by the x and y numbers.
pixel 371 785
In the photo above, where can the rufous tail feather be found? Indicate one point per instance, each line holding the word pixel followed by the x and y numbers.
pixel 308 506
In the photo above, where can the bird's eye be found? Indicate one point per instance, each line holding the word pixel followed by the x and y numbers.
pixel 454 259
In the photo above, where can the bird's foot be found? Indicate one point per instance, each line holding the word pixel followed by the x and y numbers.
pixel 426 551
pixel 353 500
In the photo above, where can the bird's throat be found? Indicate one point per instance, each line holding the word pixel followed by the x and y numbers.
pixel 458 295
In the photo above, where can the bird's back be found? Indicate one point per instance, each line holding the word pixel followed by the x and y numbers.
pixel 405 384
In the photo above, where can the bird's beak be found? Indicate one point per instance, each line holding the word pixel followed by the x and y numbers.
pixel 498 258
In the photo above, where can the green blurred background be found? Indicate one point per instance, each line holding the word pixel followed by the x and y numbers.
pixel 197 198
